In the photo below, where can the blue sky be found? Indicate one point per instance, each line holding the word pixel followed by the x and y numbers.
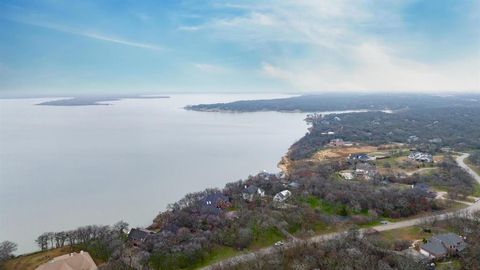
pixel 72 47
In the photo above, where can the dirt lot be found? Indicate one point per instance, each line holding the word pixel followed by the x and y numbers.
pixel 342 152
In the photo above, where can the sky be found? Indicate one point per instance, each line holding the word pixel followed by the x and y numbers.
pixel 291 46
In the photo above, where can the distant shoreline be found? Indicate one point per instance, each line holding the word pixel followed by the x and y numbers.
pixel 92 100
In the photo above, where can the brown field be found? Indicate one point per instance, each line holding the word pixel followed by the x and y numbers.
pixel 342 152
pixel 33 260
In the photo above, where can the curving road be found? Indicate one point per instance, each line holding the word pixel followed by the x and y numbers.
pixel 391 226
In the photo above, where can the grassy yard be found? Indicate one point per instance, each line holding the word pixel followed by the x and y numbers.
pixel 450 265
pixel 218 254
pixel 262 239
pixel 409 233
pixel 266 238
pixel 31 261
pixel 330 208
pixel 476 190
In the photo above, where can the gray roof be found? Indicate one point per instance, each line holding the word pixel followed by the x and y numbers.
pixel 434 246
pixel 365 166
pixel 138 234
pixel 451 239
pixel 438 244
pixel 251 189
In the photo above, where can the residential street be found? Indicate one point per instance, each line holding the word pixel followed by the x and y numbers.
pixel 391 226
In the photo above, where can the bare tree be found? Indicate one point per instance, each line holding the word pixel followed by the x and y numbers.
pixel 121 226
pixel 6 250
pixel 42 241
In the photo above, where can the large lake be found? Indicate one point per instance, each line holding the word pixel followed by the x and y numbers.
pixel 62 167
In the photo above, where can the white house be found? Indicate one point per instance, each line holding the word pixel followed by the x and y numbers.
pixel 282 196
pixel 422 157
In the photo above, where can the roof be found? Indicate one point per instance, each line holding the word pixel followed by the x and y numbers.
pixel 294 184
pixel 138 234
pixel 438 244
pixel 435 247
pixel 361 156
pixel 214 198
pixel 72 261
pixel 421 186
pixel 451 239
pixel 365 166
pixel 282 195
pixel 251 189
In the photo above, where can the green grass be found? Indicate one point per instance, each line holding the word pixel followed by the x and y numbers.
pixel 453 264
pixel 314 202
pixel 408 233
pixel 293 228
pixel 476 190
pixel 331 208
pixel 262 238
pixel 266 237
pixel 218 254
pixel 320 227
pixel 372 223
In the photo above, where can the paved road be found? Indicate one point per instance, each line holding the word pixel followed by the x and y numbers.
pixel 391 226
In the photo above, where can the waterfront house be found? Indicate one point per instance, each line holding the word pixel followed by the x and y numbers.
pixel 251 192
pixel 137 236
pixel 282 196
pixel 214 203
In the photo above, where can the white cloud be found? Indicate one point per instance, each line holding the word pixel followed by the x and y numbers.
pixel 344 46
pixel 376 69
pixel 189 28
pixel 91 34
pixel 210 68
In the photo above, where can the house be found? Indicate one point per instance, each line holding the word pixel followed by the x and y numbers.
pixel 365 170
pixel 435 140
pixel 362 157
pixel 421 157
pixel 422 187
pixel 137 236
pixel 446 149
pixel 72 261
pixel 214 202
pixel 412 138
pixel 251 192
pixel 282 196
pixel 443 245
pixel 293 185
pixel 336 142
pixel 347 175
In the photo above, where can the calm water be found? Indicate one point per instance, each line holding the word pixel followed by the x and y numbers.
pixel 63 167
